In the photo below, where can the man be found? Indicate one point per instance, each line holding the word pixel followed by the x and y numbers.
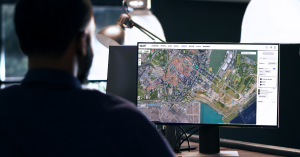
pixel 49 114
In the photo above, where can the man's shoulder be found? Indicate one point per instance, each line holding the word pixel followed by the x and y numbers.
pixel 110 100
pixel 116 108
pixel 91 104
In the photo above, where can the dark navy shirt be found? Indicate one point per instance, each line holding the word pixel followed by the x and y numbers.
pixel 49 114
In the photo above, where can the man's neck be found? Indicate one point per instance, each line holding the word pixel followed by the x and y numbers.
pixel 60 63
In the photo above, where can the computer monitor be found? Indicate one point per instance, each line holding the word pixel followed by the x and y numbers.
pixel 7 84
pixel 209 84
pixel 99 85
pixel 122 71
pixel 91 84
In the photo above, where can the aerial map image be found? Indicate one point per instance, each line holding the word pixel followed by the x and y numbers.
pixel 197 86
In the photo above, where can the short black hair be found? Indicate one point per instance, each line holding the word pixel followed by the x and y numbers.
pixel 49 26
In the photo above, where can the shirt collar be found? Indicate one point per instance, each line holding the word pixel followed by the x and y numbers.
pixel 52 76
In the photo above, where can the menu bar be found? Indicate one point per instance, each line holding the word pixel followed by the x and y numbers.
pixel 208 46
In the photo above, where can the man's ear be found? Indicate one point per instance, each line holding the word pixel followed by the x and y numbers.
pixel 82 44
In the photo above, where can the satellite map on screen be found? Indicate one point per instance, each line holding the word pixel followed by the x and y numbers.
pixel 197 85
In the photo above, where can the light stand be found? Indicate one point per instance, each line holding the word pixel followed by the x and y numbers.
pixel 144 30
pixel 115 34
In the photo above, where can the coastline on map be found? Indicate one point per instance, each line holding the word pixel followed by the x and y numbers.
pixel 209 115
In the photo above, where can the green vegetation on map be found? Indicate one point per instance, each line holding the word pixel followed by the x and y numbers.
pixel 221 94
pixel 243 69
pixel 202 93
pixel 247 81
pixel 185 51
pixel 152 66
pixel 230 117
pixel 216 59
pixel 230 91
pixel 220 84
pixel 224 120
pixel 237 59
pixel 253 69
pixel 241 86
pixel 221 104
pixel 217 90
pixel 141 93
pixel 253 80
pixel 227 99
pixel 250 85
pixel 226 75
pixel 254 91
pixel 215 81
pixel 238 79
pixel 149 56
pixel 224 87
pixel 161 58
pixel 153 95
pixel 212 86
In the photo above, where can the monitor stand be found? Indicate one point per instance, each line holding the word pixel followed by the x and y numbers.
pixel 209 144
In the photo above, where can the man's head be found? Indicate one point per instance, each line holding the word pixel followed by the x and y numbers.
pixel 55 30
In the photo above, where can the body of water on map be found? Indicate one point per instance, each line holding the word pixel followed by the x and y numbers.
pixel 152 104
pixel 248 116
pixel 208 115
pixel 216 59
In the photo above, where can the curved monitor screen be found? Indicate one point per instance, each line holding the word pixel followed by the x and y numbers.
pixel 200 83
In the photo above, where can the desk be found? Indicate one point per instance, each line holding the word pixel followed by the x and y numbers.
pixel 242 153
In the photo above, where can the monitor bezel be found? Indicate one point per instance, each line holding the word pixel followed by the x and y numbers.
pixel 220 125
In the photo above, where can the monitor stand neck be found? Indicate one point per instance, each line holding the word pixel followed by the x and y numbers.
pixel 209 139
pixel 209 144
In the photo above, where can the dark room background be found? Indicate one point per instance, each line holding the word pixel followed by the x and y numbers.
pixel 205 21
pixel 202 21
